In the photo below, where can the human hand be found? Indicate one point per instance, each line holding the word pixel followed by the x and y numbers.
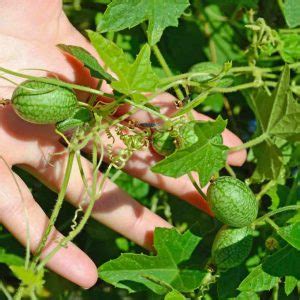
pixel 28 40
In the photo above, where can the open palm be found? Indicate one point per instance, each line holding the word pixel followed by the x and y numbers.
pixel 29 33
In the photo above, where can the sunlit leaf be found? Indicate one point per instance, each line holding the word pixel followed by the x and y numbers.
pixel 258 281
pixel 160 14
pixel 168 268
pixel 291 234
pixel 133 78
pixel 205 156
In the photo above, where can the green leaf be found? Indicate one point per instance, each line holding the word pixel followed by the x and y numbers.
pixel 268 166
pixel 258 281
pixel 285 261
pixel 247 296
pixel 168 269
pixel 291 10
pixel 205 156
pixel 174 295
pixel 10 259
pixel 290 49
pixel 291 234
pixel 289 284
pixel 278 114
pixel 160 14
pixel 88 61
pixel 133 78
pixel 135 187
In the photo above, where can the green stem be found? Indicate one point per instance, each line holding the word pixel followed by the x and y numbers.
pixel 263 191
pixel 93 98
pixel 292 30
pixel 230 170
pixel 281 6
pixel 77 230
pixel 88 211
pixel 56 209
pixel 149 110
pixel 199 190
pixel 19 293
pixel 243 69
pixel 166 69
pixel 250 143
pixel 275 212
pixel 239 87
pixel 272 223
pixel 275 292
pixel 53 81
pixel 5 291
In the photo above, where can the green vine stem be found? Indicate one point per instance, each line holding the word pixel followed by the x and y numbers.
pixel 272 223
pixel 5 291
pixel 265 189
pixel 230 170
pixel 196 186
pixel 243 69
pixel 54 81
pixel 56 209
pixel 149 110
pixel 250 143
pixel 275 212
pixel 79 227
pixel 93 197
pixel 166 69
pixel 19 293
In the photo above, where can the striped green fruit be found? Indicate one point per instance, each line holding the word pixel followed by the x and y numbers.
pixel 232 201
pixel 231 246
pixel 43 103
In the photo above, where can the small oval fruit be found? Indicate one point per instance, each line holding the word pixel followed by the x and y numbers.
pixel 43 103
pixel 231 246
pixel 163 143
pixel 232 201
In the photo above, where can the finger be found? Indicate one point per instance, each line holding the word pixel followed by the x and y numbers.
pixel 70 262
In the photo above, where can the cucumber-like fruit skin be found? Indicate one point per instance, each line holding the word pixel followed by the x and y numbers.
pixel 231 246
pixel 43 103
pixel 163 143
pixel 232 201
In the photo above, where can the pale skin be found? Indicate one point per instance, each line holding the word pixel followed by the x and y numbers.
pixel 29 33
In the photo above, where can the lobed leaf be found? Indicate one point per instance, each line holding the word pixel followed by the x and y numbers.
pixel 132 78
pixel 206 155
pixel 158 273
pixel 160 14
